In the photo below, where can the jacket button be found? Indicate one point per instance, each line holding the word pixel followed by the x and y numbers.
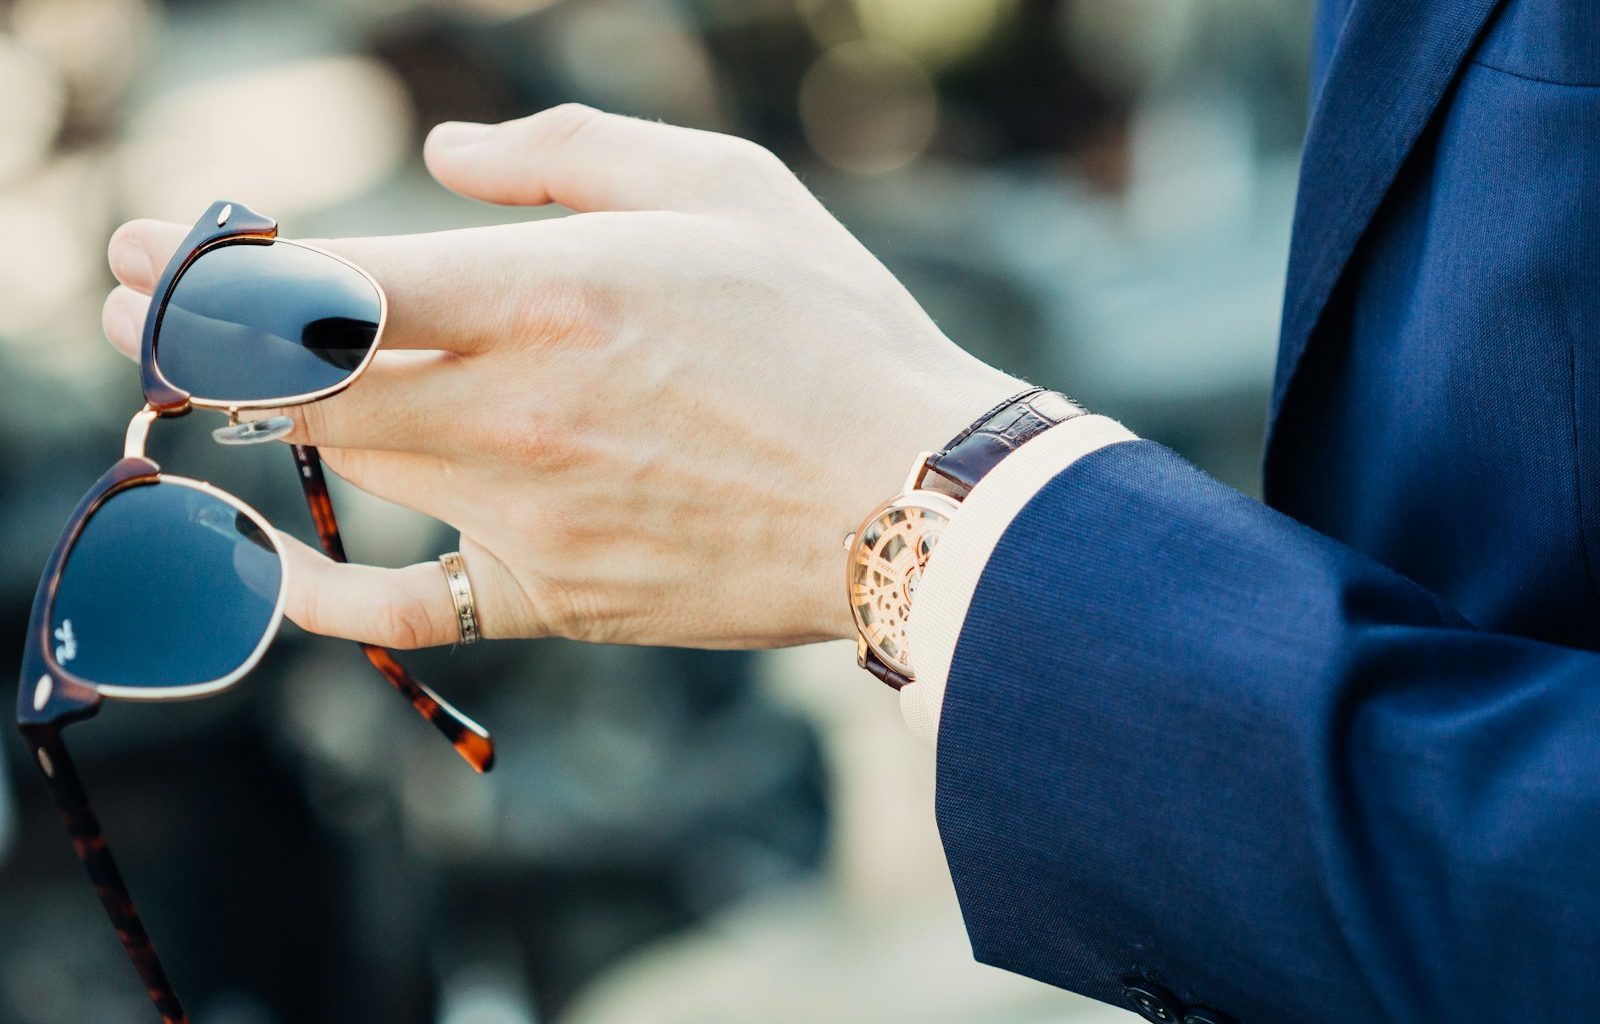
pixel 1152 1002
pixel 1203 1016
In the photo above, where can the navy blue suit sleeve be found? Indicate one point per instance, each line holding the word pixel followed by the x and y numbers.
pixel 1187 738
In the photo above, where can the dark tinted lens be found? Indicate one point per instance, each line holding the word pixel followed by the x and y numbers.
pixel 254 321
pixel 166 586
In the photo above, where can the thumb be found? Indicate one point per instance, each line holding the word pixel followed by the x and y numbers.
pixel 587 160
pixel 396 608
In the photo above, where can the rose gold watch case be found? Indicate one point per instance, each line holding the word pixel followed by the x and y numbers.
pixel 910 523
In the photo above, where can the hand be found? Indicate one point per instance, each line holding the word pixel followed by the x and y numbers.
pixel 652 422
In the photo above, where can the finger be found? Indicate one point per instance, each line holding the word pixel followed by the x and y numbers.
pixel 378 410
pixel 396 608
pixel 393 406
pixel 425 278
pixel 588 160
pixel 450 291
pixel 122 318
pixel 141 249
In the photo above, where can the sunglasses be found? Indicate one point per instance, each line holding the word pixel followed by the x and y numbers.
pixel 164 588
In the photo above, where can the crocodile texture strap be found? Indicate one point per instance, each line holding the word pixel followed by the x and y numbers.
pixel 998 433
pixel 978 449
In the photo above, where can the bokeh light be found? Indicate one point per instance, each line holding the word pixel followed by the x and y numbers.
pixel 290 137
pixel 1127 44
pixel 867 107
pixel 97 64
pixel 935 32
pixel 667 69
pixel 42 263
pixel 32 105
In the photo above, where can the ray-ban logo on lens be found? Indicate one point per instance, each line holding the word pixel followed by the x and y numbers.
pixel 68 648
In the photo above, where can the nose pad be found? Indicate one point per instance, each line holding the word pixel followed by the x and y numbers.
pixel 256 432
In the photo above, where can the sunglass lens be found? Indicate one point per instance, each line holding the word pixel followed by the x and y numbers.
pixel 253 321
pixel 167 586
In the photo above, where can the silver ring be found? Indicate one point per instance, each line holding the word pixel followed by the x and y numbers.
pixel 455 573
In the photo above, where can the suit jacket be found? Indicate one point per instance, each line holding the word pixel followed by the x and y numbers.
pixel 1335 758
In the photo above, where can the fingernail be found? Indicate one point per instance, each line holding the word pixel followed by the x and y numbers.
pixel 453 134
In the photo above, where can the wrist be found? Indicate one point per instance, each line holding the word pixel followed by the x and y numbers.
pixel 898 543
pixel 892 436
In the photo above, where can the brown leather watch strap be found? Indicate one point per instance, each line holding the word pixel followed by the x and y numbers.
pixel 998 433
pixel 875 665
pixel 978 449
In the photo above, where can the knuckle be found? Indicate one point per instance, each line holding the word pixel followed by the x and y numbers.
pixel 561 124
pixel 762 160
pixel 310 423
pixel 404 624
pixel 758 173
pixel 732 153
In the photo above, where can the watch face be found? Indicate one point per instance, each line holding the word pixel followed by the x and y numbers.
pixel 886 562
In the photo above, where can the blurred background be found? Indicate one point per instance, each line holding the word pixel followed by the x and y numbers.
pixel 1094 194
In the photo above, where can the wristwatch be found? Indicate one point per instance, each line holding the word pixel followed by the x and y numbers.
pixel 890 550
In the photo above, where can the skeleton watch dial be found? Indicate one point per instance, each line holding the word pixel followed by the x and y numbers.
pixel 887 558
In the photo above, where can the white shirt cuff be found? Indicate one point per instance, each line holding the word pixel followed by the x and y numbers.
pixel 947 585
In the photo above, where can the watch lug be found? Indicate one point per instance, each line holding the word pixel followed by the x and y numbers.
pixel 861 651
pixel 919 469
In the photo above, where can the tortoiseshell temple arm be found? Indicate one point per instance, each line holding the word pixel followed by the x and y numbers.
pixel 90 843
pixel 48 699
pixel 469 738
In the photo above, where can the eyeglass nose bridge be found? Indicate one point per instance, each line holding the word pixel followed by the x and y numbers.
pixel 138 433
pixel 236 433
